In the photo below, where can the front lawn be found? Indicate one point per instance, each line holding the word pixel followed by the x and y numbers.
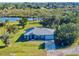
pixel 27 48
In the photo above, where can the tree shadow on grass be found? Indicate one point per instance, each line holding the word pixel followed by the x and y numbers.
pixel 42 46
pixel 2 47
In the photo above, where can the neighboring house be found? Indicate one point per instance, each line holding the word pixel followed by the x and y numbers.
pixel 39 34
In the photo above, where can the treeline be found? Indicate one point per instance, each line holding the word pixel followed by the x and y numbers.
pixel 38 5
pixel 27 9
pixel 37 12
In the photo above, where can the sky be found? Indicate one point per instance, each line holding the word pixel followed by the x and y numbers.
pixel 39 0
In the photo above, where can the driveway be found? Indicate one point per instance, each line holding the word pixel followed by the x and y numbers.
pixel 62 52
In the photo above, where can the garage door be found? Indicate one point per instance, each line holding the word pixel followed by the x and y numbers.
pixel 49 37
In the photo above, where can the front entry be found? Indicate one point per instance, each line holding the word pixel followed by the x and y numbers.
pixel 32 36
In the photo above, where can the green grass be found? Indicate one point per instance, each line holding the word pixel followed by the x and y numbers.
pixel 1 43
pixel 23 48
pixel 28 48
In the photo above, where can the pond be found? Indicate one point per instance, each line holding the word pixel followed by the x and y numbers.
pixel 3 19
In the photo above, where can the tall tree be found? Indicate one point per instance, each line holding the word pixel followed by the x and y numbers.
pixel 23 22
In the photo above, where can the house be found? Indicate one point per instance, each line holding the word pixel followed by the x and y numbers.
pixel 39 33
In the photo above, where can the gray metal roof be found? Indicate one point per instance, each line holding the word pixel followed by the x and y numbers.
pixel 40 31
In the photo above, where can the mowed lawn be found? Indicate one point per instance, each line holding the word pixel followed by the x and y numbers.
pixel 27 48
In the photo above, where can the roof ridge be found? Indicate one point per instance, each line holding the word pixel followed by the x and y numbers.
pixel 41 31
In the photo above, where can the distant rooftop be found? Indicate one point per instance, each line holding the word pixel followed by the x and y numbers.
pixel 40 31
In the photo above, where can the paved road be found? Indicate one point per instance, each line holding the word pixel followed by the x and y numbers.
pixel 62 52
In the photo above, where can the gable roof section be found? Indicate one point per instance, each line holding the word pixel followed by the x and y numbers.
pixel 40 31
